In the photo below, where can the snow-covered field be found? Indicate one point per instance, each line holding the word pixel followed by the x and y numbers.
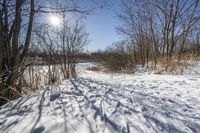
pixel 97 102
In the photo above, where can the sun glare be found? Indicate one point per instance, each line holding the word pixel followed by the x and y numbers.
pixel 55 21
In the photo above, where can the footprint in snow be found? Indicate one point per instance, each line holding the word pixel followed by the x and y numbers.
pixel 144 109
pixel 193 79
pixel 54 96
pixel 188 106
pixel 38 130
pixel 171 101
pixel 127 112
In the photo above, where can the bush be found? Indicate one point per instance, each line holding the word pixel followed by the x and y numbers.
pixel 117 57
pixel 93 68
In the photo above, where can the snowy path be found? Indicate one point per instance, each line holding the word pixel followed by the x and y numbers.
pixel 98 102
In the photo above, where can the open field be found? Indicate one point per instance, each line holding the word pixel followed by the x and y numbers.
pixel 100 102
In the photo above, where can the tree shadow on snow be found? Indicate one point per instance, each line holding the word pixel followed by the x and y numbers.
pixel 98 111
pixel 152 108
pixel 157 113
pixel 20 108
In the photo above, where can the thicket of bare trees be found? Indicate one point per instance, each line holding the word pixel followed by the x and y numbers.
pixel 62 46
pixel 118 56
pixel 73 38
pixel 13 44
pixel 16 27
pixel 160 29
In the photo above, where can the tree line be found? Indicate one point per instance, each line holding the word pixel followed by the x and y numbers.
pixel 155 32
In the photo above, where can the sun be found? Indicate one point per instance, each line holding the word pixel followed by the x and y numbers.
pixel 55 20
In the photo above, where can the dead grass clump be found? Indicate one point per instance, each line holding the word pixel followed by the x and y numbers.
pixel 93 68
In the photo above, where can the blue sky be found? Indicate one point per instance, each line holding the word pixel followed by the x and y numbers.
pixel 101 26
pixel 101 22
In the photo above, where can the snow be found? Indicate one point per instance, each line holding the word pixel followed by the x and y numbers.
pixel 108 103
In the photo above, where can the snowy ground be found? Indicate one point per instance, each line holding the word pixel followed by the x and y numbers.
pixel 97 102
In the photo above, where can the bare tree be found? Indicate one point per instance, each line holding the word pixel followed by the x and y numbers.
pixel 159 27
pixel 13 53
pixel 73 39
pixel 16 24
